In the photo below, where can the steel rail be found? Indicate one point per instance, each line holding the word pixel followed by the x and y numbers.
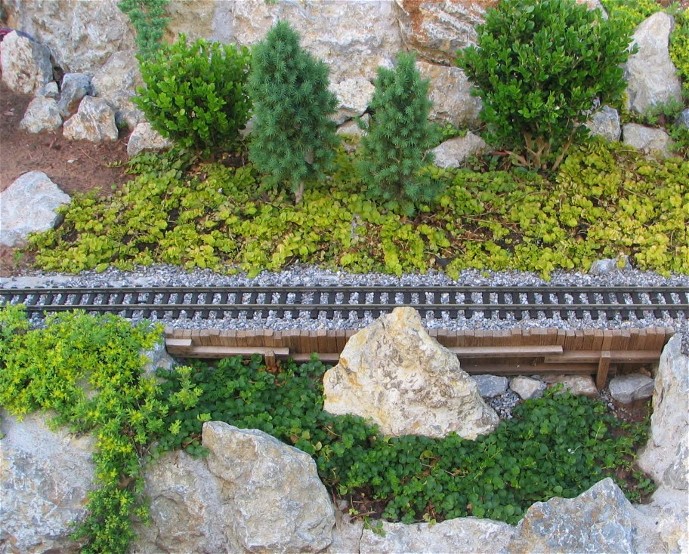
pixel 316 301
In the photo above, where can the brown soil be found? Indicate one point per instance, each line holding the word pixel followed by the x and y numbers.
pixel 75 166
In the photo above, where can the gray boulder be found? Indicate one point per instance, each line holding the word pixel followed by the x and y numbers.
pixel 394 374
pixel 28 205
pixel 460 536
pixel 74 87
pixel 44 479
pixel 274 499
pixel 666 456
pixel 606 123
pixel 598 520
pixel 626 389
pixel 42 114
pixel 490 386
pixel 647 139
pixel 454 152
pixel 49 90
pixel 651 76
pixel 95 122
pixel 25 64
pixel 450 93
pixel 526 387
pixel 144 137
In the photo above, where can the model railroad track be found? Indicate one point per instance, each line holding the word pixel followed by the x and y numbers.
pixel 356 302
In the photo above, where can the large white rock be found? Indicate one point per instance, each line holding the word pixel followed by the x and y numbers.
pixel 44 479
pixel 81 34
pixel 666 455
pixel 353 37
pixel 598 520
pixel 116 81
pixel 144 137
pixel 459 536
pixel 28 205
pixel 42 114
pixel 651 76
pixel 25 64
pixel 450 93
pixel 664 519
pixel 394 374
pixel 95 122
pixel 273 497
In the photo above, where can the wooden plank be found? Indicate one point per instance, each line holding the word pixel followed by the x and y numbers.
pixel 178 343
pixel 226 351
pixel 341 337
pixel 533 351
pixel 616 356
pixel 603 366
pixel 329 358
pixel 479 366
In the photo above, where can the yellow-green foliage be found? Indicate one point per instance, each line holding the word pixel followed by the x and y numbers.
pixel 88 372
pixel 679 48
pixel 631 12
pixel 605 201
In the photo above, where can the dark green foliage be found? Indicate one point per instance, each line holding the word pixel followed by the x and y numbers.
pixel 149 19
pixel 293 138
pixel 538 67
pixel 195 94
pixel 558 445
pixel 399 136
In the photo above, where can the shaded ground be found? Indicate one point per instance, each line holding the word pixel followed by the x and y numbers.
pixel 75 166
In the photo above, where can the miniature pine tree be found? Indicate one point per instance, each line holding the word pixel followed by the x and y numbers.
pixel 399 136
pixel 293 138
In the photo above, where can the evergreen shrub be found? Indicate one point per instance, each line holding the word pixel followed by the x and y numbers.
pixel 539 68
pixel 149 19
pixel 293 138
pixel 195 93
pixel 399 136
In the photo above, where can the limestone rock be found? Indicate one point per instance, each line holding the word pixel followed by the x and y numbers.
pixel 144 137
pixel 460 536
pixel 598 520
pixel 95 121
pixel 352 129
pixel 74 87
pixel 80 34
pixel 117 82
pixel 208 19
pixel 353 38
pixel 49 90
pixel 273 495
pixel 396 375
pixel 490 386
pixel 576 384
pixel 647 139
pixel 628 388
pixel 25 64
pixel 606 123
pixel 346 534
pixel 454 152
pixel 683 119
pixel 353 96
pixel 664 519
pixel 666 456
pixel 44 479
pixel 436 30
pixel 450 92
pixel 188 511
pixel 651 76
pixel 526 387
pixel 28 205
pixel 42 114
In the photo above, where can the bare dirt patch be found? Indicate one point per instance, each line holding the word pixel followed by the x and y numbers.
pixel 75 166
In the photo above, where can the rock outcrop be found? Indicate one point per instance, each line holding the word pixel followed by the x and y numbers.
pixel 29 205
pixel 394 374
pixel 44 479
pixel 650 74
pixel 450 93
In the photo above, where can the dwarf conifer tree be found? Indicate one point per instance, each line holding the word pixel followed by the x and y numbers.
pixel 399 136
pixel 293 138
